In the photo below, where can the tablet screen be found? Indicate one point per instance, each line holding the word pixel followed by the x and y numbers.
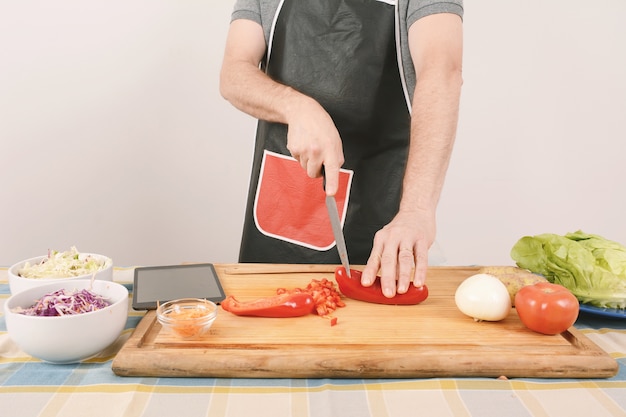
pixel 165 283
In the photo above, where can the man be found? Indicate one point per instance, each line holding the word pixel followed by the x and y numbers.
pixel 368 91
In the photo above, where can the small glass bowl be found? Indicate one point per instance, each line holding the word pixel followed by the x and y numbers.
pixel 188 318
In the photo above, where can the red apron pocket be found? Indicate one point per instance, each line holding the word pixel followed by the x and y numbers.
pixel 290 206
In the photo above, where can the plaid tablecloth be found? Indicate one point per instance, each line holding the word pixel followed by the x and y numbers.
pixel 29 387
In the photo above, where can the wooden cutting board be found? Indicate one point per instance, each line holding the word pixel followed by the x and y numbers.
pixel 432 339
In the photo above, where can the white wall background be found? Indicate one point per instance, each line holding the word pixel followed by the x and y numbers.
pixel 114 138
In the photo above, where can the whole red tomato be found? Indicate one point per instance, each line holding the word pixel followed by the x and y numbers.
pixel 546 308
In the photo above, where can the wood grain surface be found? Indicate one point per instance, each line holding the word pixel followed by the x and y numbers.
pixel 432 339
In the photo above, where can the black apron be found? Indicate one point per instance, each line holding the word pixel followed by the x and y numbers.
pixel 343 54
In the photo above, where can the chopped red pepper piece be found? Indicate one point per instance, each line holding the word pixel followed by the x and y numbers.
pixel 325 295
pixel 282 305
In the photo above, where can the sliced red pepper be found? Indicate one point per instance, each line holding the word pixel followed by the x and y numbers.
pixel 282 305
pixel 325 295
pixel 351 287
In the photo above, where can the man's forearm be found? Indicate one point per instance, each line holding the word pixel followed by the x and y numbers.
pixel 253 92
pixel 433 129
pixel 248 88
pixel 312 137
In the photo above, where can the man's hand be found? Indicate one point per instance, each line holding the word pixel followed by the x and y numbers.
pixel 313 140
pixel 400 252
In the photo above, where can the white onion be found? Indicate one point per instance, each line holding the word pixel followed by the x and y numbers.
pixel 483 297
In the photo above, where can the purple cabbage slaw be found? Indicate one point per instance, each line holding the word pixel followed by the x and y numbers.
pixel 65 303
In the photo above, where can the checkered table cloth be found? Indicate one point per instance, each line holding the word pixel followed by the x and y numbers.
pixel 30 388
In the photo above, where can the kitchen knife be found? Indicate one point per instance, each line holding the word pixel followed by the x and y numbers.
pixel 331 206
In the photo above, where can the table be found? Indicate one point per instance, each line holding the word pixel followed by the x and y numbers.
pixel 29 387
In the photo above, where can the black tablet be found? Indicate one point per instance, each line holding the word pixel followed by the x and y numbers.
pixel 165 283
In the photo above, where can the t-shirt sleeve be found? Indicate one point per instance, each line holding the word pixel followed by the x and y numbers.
pixel 246 9
pixel 421 8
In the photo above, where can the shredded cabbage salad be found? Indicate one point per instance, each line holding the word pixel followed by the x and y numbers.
pixel 64 303
pixel 66 264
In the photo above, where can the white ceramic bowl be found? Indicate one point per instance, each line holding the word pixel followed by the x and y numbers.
pixel 18 283
pixel 69 338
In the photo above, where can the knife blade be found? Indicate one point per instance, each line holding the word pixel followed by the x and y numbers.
pixel 333 213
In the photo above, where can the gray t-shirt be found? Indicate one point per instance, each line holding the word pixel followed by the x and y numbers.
pixel 409 11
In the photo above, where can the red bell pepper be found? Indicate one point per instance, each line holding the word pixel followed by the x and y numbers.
pixel 282 305
pixel 351 287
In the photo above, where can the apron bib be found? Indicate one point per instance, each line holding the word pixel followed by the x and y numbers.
pixel 343 54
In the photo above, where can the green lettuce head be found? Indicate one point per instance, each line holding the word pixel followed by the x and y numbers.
pixel 591 267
